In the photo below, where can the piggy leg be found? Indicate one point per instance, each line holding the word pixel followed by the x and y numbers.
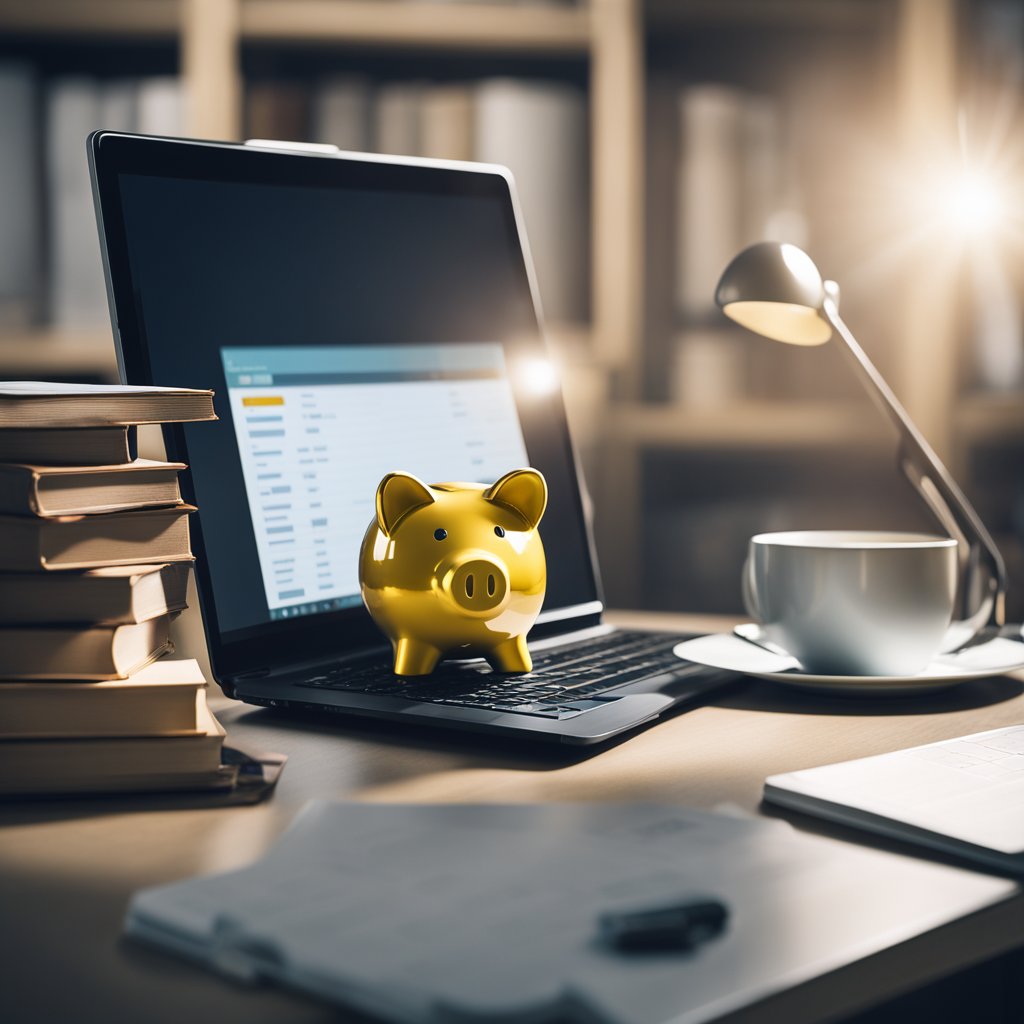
pixel 511 656
pixel 415 658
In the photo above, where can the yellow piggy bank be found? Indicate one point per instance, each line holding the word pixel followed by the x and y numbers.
pixel 456 569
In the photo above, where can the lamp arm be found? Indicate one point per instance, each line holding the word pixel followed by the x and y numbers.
pixel 936 487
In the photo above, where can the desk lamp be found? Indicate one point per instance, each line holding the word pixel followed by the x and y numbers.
pixel 774 289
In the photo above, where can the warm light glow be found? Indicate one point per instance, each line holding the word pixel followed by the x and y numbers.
pixel 781 321
pixel 537 377
pixel 974 203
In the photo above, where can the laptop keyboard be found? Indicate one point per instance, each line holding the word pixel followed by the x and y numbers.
pixel 565 680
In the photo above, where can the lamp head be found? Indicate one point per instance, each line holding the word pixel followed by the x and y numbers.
pixel 774 289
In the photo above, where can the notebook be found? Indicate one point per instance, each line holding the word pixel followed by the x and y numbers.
pixel 480 913
pixel 963 796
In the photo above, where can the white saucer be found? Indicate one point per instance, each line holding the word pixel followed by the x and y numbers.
pixel 726 651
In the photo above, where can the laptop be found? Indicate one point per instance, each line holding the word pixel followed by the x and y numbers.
pixel 357 314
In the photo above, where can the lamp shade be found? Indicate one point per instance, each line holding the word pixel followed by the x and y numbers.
pixel 774 289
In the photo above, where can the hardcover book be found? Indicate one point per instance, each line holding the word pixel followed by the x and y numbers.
pixel 89 542
pixel 114 594
pixel 162 699
pixel 29 403
pixel 120 764
pixel 55 446
pixel 83 653
pixel 80 490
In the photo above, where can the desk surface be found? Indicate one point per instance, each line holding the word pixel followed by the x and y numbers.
pixel 68 868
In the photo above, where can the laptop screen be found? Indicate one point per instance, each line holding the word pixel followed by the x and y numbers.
pixel 354 317
pixel 446 409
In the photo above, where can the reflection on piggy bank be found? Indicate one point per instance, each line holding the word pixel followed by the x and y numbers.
pixel 456 569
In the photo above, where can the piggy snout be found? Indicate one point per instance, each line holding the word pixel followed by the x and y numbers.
pixel 477 583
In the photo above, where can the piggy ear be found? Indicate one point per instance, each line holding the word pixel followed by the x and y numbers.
pixel 523 491
pixel 397 496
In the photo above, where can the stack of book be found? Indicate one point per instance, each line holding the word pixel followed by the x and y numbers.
pixel 94 563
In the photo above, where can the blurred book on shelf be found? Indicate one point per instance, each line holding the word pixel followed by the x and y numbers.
pixel 21 270
pixel 446 122
pixel 161 106
pixel 733 188
pixel 709 369
pixel 396 118
pixel 341 110
pixel 536 128
pixel 277 110
pixel 74 107
pixel 709 227
pixel 539 131
pixel 52 291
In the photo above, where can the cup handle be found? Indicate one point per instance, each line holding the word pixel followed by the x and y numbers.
pixel 749 594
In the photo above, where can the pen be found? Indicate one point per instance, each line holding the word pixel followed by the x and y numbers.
pixel 678 925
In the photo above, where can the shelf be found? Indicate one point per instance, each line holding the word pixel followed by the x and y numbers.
pixel 154 19
pixel 399 23
pixel 791 14
pixel 407 24
pixel 747 425
pixel 990 418
pixel 64 354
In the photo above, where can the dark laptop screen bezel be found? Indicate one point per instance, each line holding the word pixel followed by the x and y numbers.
pixel 281 643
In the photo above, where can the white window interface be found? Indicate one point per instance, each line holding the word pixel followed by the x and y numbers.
pixel 318 427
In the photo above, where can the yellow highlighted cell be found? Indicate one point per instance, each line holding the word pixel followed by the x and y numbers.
pixel 264 400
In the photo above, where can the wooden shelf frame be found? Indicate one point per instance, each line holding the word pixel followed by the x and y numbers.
pixel 131 19
pixel 395 23
pixel 392 23
pixel 748 426
pixel 990 417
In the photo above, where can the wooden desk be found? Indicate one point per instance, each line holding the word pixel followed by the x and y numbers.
pixel 67 869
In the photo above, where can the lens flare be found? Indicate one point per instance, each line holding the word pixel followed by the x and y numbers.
pixel 537 377
pixel 974 203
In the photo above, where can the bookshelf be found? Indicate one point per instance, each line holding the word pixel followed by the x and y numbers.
pixel 907 65
pixel 634 57
pixel 209 35
pixel 747 426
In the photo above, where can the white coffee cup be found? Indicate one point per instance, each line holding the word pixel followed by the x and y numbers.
pixel 848 602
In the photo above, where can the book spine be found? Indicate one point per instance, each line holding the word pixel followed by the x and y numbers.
pixel 708 211
pixel 446 123
pixel 161 106
pixel 341 113
pixel 397 119
pixel 277 110
pixel 20 212
pixel 538 130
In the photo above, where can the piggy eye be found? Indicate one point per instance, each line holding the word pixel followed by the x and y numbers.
pixel 499 531
pixel 440 533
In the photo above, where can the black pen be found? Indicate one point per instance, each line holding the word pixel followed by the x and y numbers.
pixel 681 924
